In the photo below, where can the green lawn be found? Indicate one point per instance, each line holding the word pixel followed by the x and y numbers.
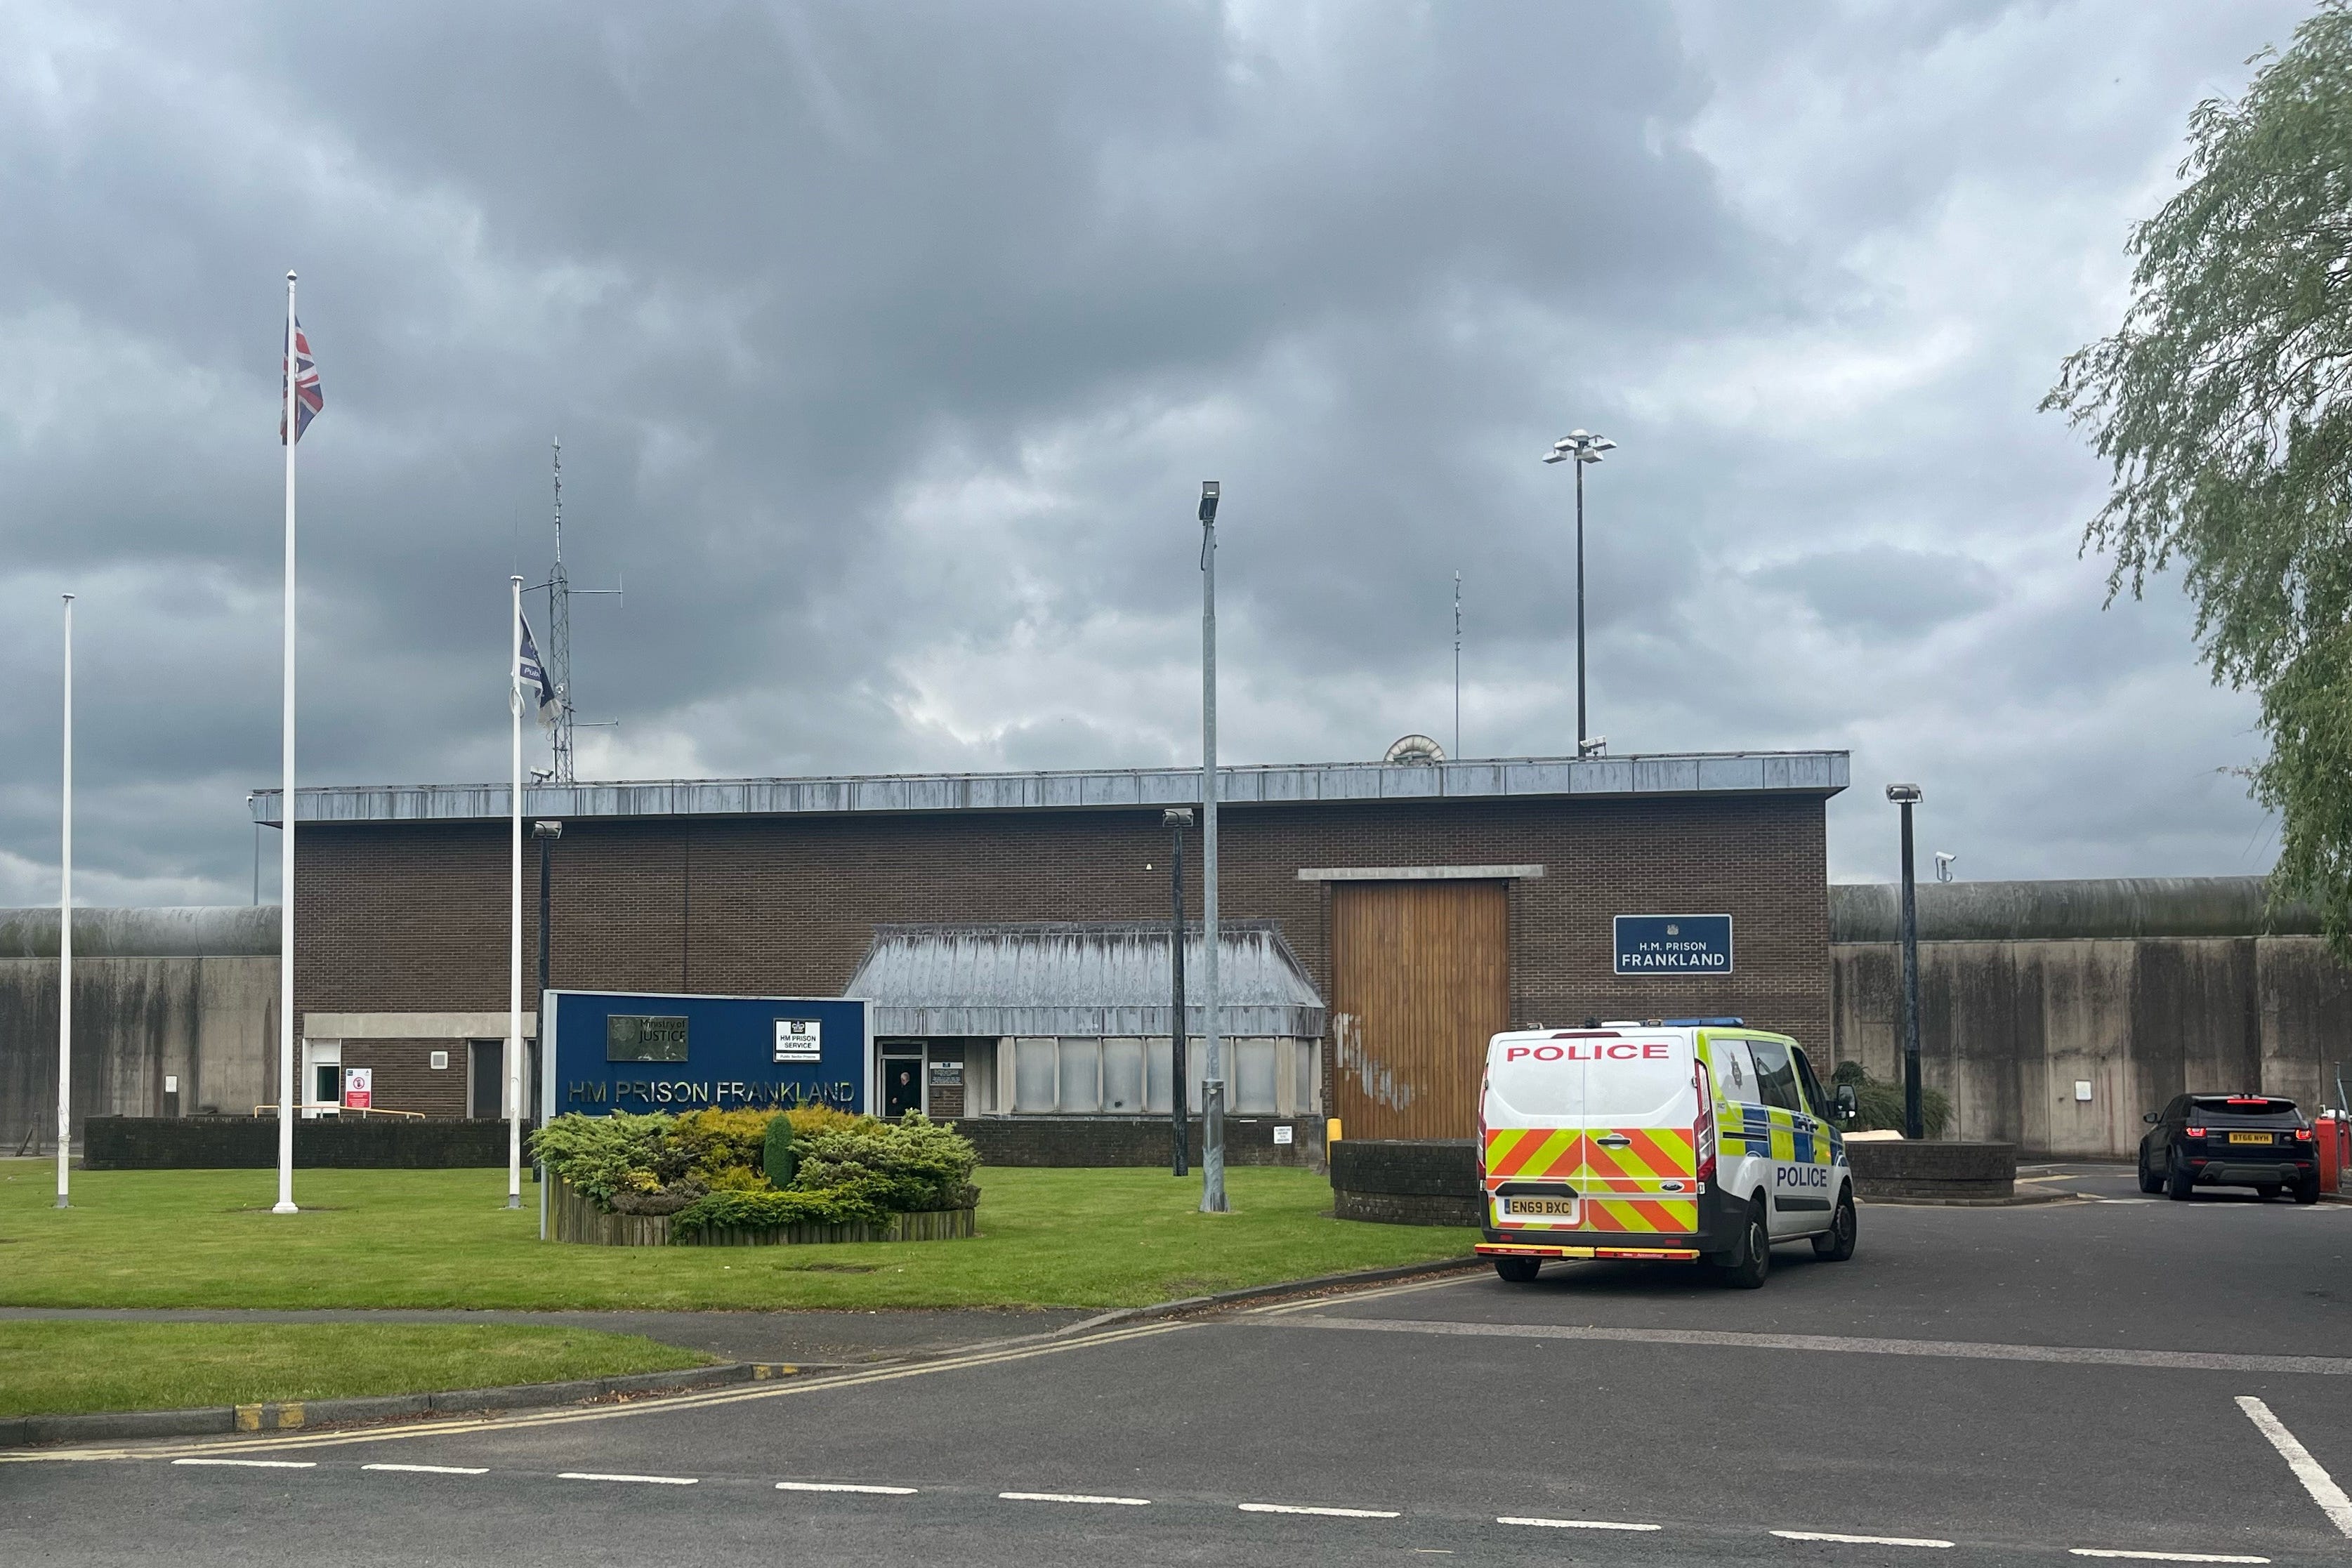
pixel 60 1368
pixel 443 1239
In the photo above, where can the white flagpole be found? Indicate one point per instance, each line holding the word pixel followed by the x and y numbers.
pixel 514 965
pixel 65 933
pixel 288 1091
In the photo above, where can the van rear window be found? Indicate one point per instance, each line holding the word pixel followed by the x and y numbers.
pixel 2260 1107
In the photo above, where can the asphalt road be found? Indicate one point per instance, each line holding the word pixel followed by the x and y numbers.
pixel 2024 1385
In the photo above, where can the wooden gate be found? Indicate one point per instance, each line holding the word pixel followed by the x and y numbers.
pixel 1421 978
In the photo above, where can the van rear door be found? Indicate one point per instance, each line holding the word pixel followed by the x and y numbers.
pixel 1533 1121
pixel 1639 1170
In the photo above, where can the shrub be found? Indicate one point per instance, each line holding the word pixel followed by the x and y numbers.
pixel 777 1157
pixel 807 1119
pixel 717 1140
pixel 1879 1106
pixel 738 1178
pixel 605 1156
pixel 912 1164
pixel 852 1204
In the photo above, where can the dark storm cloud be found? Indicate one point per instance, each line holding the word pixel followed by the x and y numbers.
pixel 889 343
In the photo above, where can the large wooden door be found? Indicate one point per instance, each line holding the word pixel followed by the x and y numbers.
pixel 1421 978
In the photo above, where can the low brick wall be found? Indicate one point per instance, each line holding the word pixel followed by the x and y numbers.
pixel 243 1143
pixel 1892 1169
pixel 1406 1181
pixel 1135 1140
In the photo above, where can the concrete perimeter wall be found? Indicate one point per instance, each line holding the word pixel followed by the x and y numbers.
pixel 184 993
pixel 2143 989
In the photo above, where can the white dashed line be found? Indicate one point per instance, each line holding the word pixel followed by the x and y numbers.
pixel 641 1481
pixel 1324 1512
pixel 2315 1479
pixel 1573 1523
pixel 1074 1497
pixel 431 1470
pixel 844 1486
pixel 2160 1556
pixel 1859 1540
pixel 255 1464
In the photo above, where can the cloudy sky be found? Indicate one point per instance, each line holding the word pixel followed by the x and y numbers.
pixel 888 344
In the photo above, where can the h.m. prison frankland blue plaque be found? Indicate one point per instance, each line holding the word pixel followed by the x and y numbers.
pixel 615 1050
pixel 1673 943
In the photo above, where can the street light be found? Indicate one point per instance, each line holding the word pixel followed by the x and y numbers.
pixel 1213 1080
pixel 1585 448
pixel 1178 819
pixel 1906 796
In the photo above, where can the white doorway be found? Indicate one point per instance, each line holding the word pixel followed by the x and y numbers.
pixel 322 1078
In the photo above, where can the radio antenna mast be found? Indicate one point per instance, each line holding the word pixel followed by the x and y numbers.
pixel 559 635
pixel 1457 666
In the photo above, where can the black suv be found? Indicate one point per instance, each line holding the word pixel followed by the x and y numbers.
pixel 2229 1140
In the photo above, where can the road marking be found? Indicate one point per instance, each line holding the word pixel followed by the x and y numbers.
pixel 2160 1556
pixel 1324 1512
pixel 416 1470
pixel 1726 1339
pixel 1574 1523
pixel 257 1464
pixel 844 1486
pixel 1409 1288
pixel 1074 1497
pixel 1859 1540
pixel 639 1481
pixel 566 1415
pixel 2315 1480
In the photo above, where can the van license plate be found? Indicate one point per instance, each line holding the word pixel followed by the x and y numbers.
pixel 2249 1138
pixel 1540 1209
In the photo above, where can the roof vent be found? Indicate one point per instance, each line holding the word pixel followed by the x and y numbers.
pixel 1415 748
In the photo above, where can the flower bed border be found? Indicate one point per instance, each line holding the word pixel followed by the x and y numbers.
pixel 574 1216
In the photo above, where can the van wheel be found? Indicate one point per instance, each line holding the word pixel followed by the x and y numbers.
pixel 1836 1243
pixel 1744 1268
pixel 1518 1270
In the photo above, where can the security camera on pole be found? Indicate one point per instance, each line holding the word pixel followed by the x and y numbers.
pixel 1213 1083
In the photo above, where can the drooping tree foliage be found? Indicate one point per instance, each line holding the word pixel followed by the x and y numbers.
pixel 2224 404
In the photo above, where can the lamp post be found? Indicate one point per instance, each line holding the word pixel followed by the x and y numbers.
pixel 1213 1083
pixel 546 833
pixel 1584 448
pixel 1906 796
pixel 1178 819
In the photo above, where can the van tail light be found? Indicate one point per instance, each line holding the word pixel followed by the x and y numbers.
pixel 1703 1130
pixel 2184 1132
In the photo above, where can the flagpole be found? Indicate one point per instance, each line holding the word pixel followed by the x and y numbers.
pixel 64 932
pixel 288 1088
pixel 514 967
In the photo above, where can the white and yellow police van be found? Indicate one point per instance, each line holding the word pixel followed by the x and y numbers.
pixel 1685 1140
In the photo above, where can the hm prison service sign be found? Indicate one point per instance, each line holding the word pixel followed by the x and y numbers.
pixel 615 1051
pixel 1673 943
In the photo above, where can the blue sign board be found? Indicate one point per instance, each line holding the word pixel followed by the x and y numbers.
pixel 1673 943
pixel 614 1050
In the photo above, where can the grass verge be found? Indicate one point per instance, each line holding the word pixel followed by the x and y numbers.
pixel 65 1368
pixel 443 1239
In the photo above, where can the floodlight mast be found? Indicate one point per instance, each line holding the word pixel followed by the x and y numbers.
pixel 1904 796
pixel 1212 1081
pixel 1584 448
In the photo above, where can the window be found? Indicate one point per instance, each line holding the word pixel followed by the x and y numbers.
pixel 1253 1077
pixel 1161 1063
pixel 1735 1072
pixel 1080 1091
pixel 1776 1075
pixel 1821 1105
pixel 1122 1088
pixel 1033 1075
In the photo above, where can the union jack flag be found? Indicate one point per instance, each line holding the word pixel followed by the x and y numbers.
pixel 308 397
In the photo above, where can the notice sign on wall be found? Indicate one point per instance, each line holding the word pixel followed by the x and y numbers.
pixel 800 1040
pixel 359 1088
pixel 1673 943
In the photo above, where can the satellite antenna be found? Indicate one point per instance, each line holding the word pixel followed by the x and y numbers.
pixel 558 637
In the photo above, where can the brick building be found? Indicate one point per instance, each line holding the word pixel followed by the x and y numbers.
pixel 1382 919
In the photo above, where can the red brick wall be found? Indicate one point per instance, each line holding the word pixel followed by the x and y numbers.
pixel 411 917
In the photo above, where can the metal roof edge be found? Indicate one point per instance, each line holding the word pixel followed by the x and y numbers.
pixel 1821 773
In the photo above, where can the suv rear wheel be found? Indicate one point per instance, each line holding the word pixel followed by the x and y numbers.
pixel 1836 1243
pixel 2307 1190
pixel 1518 1271
pixel 2148 1180
pixel 2178 1182
pixel 1744 1266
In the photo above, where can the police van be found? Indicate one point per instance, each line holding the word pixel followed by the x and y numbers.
pixel 1686 1140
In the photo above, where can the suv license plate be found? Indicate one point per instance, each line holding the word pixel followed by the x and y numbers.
pixel 1541 1208
pixel 2249 1138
